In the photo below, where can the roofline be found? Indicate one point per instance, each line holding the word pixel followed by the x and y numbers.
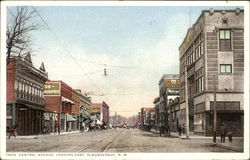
pixel 202 13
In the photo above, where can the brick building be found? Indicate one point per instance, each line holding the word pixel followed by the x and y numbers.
pixel 76 109
pixel 25 102
pixel 213 53
pixel 84 112
pixel 58 98
pixel 103 109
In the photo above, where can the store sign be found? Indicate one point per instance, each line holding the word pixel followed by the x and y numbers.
pixel 46 116
pixel 172 83
pixel 173 92
pixel 96 110
pixel 52 89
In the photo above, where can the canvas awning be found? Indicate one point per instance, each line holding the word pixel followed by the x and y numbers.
pixel 70 117
pixel 67 100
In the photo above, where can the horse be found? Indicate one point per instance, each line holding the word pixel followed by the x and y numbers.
pixel 12 130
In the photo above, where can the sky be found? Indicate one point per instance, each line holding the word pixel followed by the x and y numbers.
pixel 135 44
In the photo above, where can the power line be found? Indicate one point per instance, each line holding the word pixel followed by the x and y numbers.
pixel 58 40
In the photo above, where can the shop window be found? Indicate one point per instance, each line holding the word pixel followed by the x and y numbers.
pixel 225 39
pixel 225 68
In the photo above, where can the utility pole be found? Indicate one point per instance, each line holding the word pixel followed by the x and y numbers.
pixel 215 112
pixel 187 108
pixel 115 121
pixel 59 118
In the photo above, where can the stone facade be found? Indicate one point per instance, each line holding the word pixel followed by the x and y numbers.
pixel 213 51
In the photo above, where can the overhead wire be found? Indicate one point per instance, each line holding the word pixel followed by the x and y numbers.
pixel 88 61
pixel 73 58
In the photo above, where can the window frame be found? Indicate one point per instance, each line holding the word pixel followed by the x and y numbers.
pixel 226 65
pixel 225 40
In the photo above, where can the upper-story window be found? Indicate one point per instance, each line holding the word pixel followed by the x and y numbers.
pixel 225 68
pixel 225 39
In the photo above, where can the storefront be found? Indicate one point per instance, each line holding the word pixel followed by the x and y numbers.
pixel 70 120
pixel 233 119
pixel 63 122
pixel 30 119
pixel 49 122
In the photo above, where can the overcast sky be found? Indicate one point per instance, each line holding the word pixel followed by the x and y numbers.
pixel 137 44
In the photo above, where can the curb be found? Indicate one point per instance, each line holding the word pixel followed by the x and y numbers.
pixel 233 148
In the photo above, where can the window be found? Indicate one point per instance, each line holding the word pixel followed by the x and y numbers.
pixel 201 49
pixel 225 68
pixel 225 39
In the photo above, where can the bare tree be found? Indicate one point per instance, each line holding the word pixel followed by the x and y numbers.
pixel 19 26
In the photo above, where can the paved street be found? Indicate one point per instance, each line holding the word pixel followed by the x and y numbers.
pixel 120 140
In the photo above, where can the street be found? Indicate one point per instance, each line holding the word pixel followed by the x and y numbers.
pixel 119 140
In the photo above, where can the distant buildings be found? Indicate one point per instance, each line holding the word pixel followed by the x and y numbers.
pixel 213 51
pixel 25 101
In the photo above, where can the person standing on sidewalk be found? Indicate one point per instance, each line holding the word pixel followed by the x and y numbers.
pixel 179 129
pixel 230 135
pixel 222 132
pixel 183 129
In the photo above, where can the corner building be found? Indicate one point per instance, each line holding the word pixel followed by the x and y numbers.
pixel 25 101
pixel 213 51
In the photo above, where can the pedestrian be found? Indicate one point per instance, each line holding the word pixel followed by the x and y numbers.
pixel 183 129
pixel 230 135
pixel 179 129
pixel 222 132
pixel 83 126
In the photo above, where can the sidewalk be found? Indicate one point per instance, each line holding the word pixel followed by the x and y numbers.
pixel 236 145
pixel 43 135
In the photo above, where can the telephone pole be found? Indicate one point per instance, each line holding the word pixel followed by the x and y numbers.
pixel 215 112
pixel 115 121
pixel 187 108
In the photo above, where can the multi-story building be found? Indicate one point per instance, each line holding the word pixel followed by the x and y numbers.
pixel 84 112
pixel 157 105
pixel 75 109
pixel 213 53
pixel 147 118
pixel 58 98
pixel 168 88
pixel 102 109
pixel 174 114
pixel 25 101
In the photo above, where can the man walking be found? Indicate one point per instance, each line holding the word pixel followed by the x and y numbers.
pixel 222 132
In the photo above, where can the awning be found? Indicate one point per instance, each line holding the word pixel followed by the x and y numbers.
pixel 31 106
pixel 98 122
pixel 67 100
pixel 70 117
